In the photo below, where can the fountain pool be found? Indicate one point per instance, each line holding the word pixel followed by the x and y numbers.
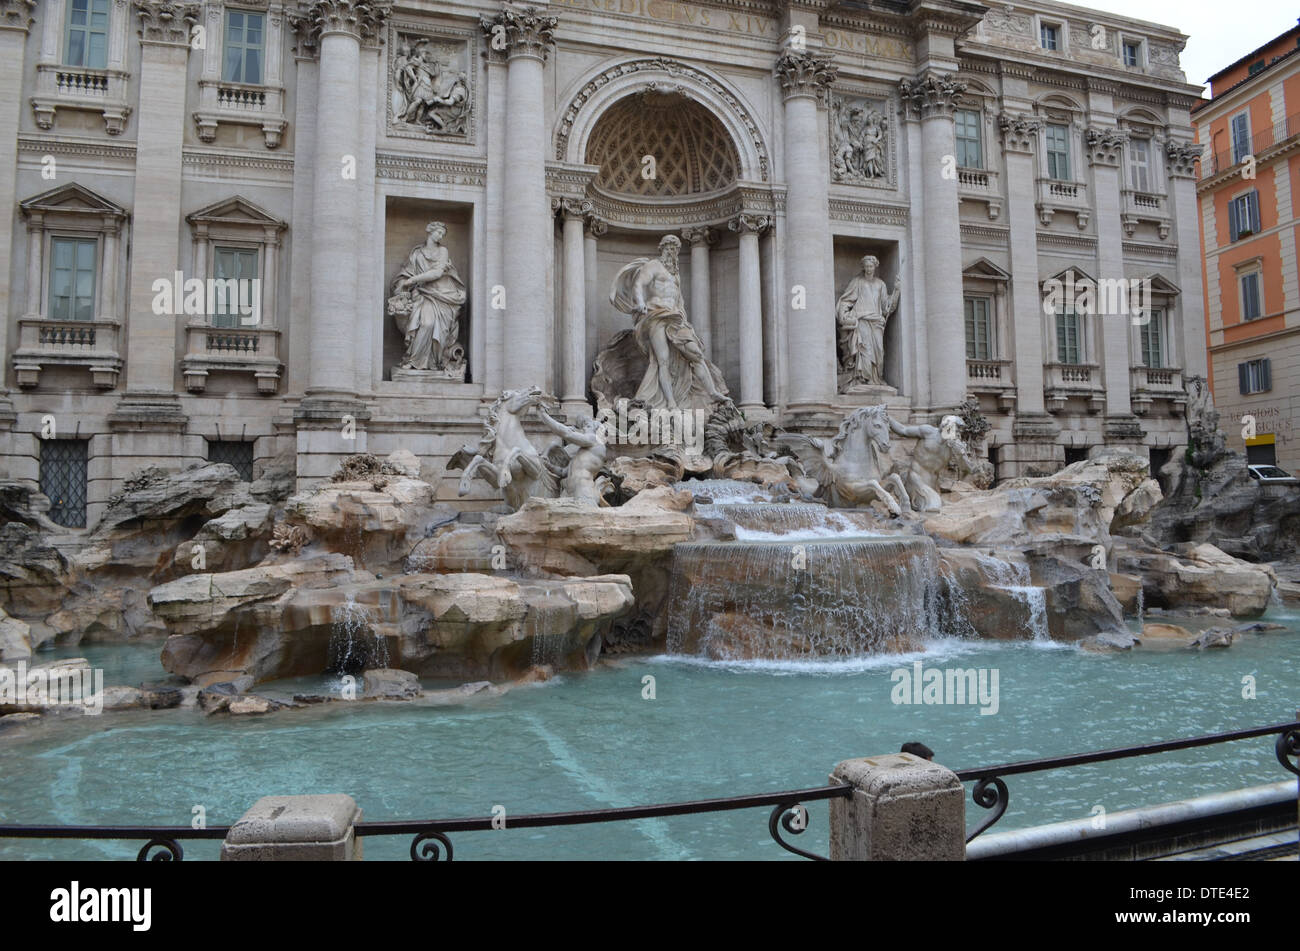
pixel 714 729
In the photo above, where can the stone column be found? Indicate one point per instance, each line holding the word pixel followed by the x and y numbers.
pixel 1019 133
pixel 15 20
pixel 1180 158
pixel 596 228
pixel 330 419
pixel 150 399
pixel 810 333
pixel 527 35
pixel 319 828
pixel 929 99
pixel 749 297
pixel 573 356
pixel 903 808
pixel 701 294
pixel 1109 331
pixel 492 319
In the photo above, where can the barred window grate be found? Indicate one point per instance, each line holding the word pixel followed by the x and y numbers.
pixel 63 480
pixel 233 452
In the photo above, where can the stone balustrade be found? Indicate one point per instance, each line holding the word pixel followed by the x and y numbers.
pixel 252 350
pixel 1152 383
pixel 981 184
pixel 1064 380
pixel 93 344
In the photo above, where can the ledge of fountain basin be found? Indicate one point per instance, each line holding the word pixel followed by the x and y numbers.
pixel 286 828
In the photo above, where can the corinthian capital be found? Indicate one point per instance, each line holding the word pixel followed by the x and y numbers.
pixel 1018 132
pixel 1180 158
pixel 363 19
pixel 165 22
pixel 805 74
pixel 17 14
pixel 749 224
pixel 1104 146
pixel 577 208
pixel 520 31
pixel 930 94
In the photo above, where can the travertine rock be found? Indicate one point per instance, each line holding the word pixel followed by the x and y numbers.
pixel 1199 575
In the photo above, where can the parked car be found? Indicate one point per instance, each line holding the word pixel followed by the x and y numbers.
pixel 1272 475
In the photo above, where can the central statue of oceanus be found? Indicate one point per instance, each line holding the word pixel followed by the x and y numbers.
pixel 659 363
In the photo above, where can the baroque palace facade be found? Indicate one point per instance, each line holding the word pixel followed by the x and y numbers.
pixel 984 155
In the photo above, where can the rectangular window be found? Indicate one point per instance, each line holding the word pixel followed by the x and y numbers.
pixel 1251 305
pixel 244 53
pixel 63 480
pixel 1132 54
pixel 1139 157
pixel 1243 215
pixel 87 39
pixel 1254 376
pixel 1255 67
pixel 1068 337
pixel 233 264
pixel 1240 137
pixel 1058 152
pixel 1049 37
pixel 72 278
pixel 979 337
pixel 1153 343
pixel 235 453
pixel 970 152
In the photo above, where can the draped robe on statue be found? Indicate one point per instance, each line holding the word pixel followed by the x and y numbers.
pixel 688 391
pixel 861 313
pixel 435 317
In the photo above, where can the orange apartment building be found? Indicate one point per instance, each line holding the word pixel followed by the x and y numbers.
pixel 1249 191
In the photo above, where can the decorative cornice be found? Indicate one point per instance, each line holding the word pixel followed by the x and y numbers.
pixel 363 19
pixel 1180 158
pixel 423 168
pixel 166 22
pixel 1104 146
pixel 805 74
pixel 520 32
pixel 744 224
pixel 17 15
pixel 868 212
pixel 929 95
pixel 1019 132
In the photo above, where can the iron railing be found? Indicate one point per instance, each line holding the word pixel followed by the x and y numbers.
pixel 1259 142
pixel 430 838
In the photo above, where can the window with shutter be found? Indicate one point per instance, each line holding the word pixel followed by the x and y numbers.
pixel 1240 137
pixel 1251 305
pixel 240 265
pixel 979 340
pixel 1153 347
pixel 1058 152
pixel 72 278
pixel 1140 164
pixel 1068 349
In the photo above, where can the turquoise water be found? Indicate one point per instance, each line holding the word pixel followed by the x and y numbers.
pixel 588 740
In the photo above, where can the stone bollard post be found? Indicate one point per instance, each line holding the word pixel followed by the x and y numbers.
pixel 903 808
pixel 295 829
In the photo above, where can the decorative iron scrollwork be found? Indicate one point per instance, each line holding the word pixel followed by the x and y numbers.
pixel 170 851
pixel 424 847
pixel 1288 747
pixel 989 793
pixel 784 815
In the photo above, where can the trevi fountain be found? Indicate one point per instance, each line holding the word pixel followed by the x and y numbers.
pixel 668 595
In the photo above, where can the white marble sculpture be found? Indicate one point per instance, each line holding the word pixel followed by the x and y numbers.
pixel 937 449
pixel 857 142
pixel 506 459
pixel 852 468
pixel 584 444
pixel 428 91
pixel 677 375
pixel 426 300
pixel 860 317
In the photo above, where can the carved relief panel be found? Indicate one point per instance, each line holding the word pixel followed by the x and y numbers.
pixel 863 140
pixel 430 83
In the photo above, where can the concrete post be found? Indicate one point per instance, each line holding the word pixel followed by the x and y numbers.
pixel 318 828
pixel 903 808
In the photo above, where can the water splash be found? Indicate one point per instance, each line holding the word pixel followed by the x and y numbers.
pixel 354 646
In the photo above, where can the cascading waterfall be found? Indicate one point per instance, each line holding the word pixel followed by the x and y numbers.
pixel 810 597
pixel 1014 578
pixel 545 625
pixel 354 646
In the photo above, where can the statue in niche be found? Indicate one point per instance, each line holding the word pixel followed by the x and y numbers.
pixel 676 373
pixel 425 302
pixel 860 316
pixel 428 91
pixel 857 142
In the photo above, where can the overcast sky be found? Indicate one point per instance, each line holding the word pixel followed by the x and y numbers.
pixel 1219 32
